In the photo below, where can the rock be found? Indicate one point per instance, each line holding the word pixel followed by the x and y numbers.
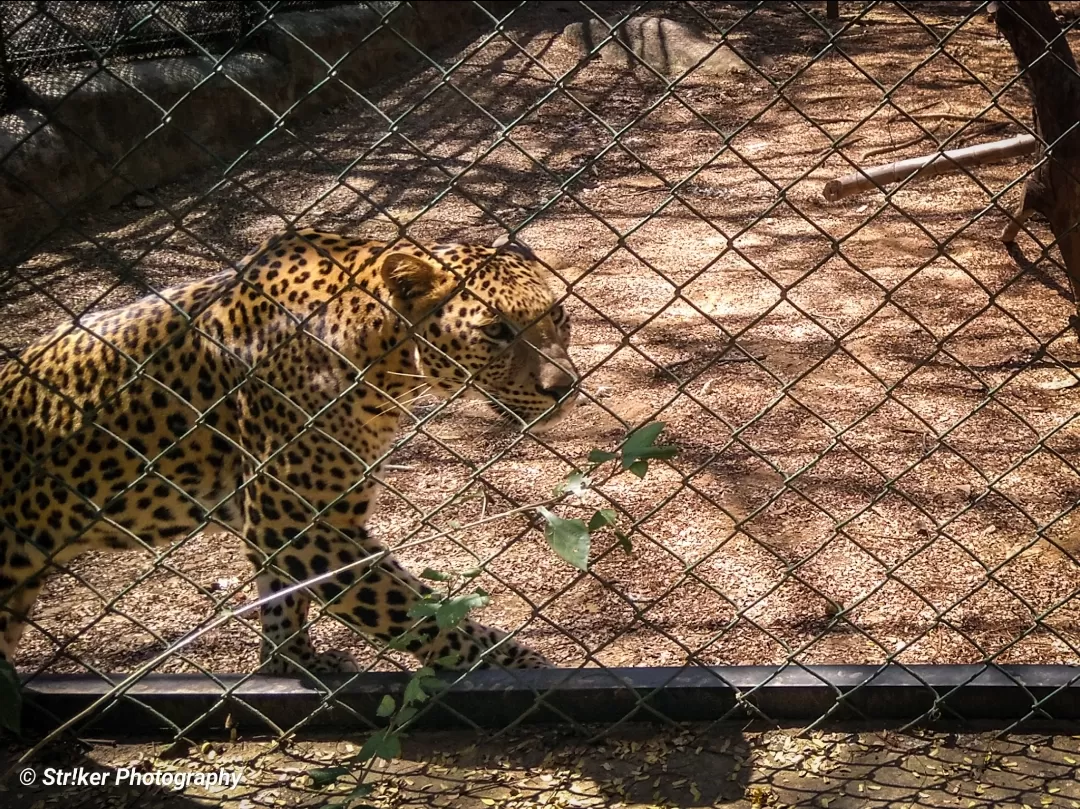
pixel 669 47
pixel 141 201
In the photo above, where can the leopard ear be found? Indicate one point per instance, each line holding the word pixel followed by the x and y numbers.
pixel 515 246
pixel 409 277
pixel 526 252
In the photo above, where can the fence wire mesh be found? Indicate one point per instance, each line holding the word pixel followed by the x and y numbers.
pixel 873 403
pixel 39 35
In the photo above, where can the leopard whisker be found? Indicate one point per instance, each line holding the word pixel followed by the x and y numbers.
pixel 401 404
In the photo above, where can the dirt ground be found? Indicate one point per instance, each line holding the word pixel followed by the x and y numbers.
pixel 635 768
pixel 872 398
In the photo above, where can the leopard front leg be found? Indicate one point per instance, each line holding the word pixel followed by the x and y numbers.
pixel 471 643
pixel 286 644
pixel 15 605
pixel 372 592
pixel 304 512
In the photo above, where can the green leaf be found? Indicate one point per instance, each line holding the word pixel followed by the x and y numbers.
pixel 419 689
pixel 402 641
pixel 576 483
pixel 406 713
pixel 599 456
pixel 386 706
pixel 428 680
pixel 471 573
pixel 434 575
pixel 568 538
pixel 624 542
pixel 639 468
pixel 665 451
pixel 601 519
pixel 423 610
pixel 449 661
pixel 639 446
pixel 368 750
pixel 433 685
pixel 10 699
pixel 453 610
pixel 389 747
pixel 385 744
pixel 642 439
pixel 414 692
pixel 325 777
pixel 426 607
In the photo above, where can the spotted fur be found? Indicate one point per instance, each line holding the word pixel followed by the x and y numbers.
pixel 261 402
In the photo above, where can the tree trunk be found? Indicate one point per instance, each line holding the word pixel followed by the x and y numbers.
pixel 1053 189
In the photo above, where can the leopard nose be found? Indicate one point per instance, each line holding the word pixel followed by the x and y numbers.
pixel 559 392
pixel 558 376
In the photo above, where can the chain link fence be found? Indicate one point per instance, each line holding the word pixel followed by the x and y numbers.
pixel 38 36
pixel 871 400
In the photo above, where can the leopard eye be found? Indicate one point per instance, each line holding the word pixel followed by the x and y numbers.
pixel 561 320
pixel 500 331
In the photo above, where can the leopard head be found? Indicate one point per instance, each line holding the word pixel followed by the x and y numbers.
pixel 486 324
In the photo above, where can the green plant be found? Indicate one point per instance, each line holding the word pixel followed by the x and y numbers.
pixel 571 539
pixel 384 743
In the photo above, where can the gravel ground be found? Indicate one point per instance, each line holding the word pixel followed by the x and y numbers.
pixel 872 399
pixel 636 768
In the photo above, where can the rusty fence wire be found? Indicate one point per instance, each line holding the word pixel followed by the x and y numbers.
pixel 809 432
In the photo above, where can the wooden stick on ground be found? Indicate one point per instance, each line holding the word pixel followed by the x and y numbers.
pixel 928 166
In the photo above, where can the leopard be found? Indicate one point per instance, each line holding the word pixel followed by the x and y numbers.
pixel 263 401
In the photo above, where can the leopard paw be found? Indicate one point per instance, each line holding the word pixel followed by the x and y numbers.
pixel 330 662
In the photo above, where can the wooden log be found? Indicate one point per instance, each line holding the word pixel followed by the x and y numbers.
pixel 920 168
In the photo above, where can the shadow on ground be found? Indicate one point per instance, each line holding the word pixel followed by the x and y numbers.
pixel 632 766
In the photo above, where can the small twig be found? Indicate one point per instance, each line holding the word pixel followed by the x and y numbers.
pixel 847 141
pixel 951 116
pixel 896 147
pixel 646 190
pixel 823 99
pixel 904 115
pixel 991 126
